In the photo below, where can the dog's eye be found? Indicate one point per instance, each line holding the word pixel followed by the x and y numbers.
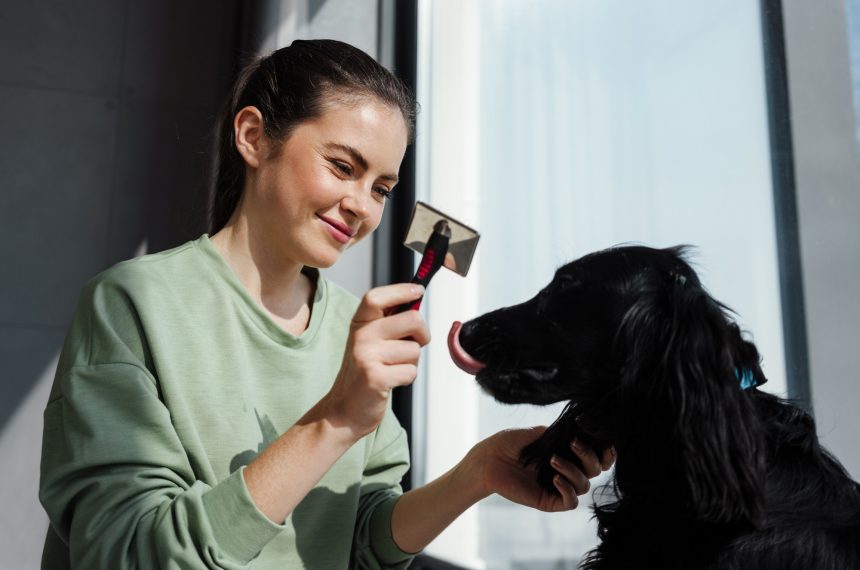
pixel 567 283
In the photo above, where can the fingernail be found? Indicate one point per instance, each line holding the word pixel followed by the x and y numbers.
pixel 610 459
pixel 418 289
pixel 554 460
pixel 575 445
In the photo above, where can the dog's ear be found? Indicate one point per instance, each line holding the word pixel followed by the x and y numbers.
pixel 685 358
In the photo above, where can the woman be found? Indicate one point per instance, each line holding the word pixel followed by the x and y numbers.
pixel 221 405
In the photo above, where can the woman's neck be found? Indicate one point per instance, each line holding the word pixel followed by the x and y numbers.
pixel 278 285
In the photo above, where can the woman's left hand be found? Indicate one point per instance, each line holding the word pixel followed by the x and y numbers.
pixel 498 460
pixel 491 466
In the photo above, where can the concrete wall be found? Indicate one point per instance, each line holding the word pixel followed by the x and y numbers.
pixel 828 200
pixel 107 109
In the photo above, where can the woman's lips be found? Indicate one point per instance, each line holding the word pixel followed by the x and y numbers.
pixel 338 231
pixel 461 358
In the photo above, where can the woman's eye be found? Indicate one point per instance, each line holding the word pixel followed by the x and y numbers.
pixel 343 167
pixel 382 191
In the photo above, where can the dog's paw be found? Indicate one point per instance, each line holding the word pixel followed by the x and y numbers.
pixel 539 454
pixel 556 440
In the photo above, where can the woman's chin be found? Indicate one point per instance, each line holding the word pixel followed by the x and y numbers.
pixel 324 259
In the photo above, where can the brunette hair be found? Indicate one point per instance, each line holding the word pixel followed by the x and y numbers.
pixel 292 85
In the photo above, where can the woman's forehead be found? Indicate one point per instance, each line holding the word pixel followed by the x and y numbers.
pixel 371 131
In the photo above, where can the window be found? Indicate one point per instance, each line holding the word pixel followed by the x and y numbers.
pixel 557 128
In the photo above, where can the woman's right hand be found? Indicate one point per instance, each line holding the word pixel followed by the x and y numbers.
pixel 381 353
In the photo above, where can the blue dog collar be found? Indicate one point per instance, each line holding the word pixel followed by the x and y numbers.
pixel 746 378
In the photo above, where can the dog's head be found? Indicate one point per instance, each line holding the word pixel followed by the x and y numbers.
pixel 649 362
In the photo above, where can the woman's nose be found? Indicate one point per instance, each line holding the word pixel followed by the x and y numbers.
pixel 357 201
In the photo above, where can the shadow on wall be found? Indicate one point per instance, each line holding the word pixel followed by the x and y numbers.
pixel 102 164
pixel 108 115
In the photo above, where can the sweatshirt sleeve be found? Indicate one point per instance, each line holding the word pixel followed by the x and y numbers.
pixel 118 488
pixel 373 546
pixel 116 482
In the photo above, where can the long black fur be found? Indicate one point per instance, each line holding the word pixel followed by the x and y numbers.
pixel 708 475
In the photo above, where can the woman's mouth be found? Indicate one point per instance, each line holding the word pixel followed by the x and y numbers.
pixel 339 231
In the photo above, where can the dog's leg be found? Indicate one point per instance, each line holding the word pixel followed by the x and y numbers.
pixel 556 440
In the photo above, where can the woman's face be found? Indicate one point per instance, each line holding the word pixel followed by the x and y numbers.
pixel 325 188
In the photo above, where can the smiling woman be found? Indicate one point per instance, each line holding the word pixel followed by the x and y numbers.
pixel 331 175
pixel 222 404
pixel 211 375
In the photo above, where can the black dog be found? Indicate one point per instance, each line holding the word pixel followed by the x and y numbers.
pixel 711 473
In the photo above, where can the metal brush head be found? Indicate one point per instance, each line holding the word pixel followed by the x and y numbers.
pixel 462 242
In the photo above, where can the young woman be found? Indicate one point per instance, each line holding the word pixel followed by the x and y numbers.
pixel 222 405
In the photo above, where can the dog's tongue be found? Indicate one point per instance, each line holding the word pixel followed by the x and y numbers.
pixel 460 357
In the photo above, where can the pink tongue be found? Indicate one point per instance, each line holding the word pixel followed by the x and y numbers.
pixel 460 357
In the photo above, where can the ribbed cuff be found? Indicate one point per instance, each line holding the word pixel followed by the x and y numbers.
pixel 239 527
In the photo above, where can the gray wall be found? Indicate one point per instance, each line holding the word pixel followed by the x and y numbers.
pixel 106 116
pixel 828 200
pixel 106 113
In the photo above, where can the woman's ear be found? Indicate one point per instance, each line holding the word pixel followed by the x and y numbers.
pixel 249 135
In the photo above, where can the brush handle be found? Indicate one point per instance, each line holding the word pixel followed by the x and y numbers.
pixel 431 261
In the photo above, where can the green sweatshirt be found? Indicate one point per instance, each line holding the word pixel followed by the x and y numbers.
pixel 171 380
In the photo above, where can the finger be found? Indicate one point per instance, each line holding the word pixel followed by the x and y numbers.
pixel 376 301
pixel 566 491
pixel 574 476
pixel 590 464
pixel 408 324
pixel 400 352
pixel 401 374
pixel 608 459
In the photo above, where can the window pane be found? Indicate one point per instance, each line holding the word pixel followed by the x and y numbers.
pixel 561 127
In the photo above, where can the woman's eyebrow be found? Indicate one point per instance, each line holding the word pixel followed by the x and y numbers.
pixel 355 155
